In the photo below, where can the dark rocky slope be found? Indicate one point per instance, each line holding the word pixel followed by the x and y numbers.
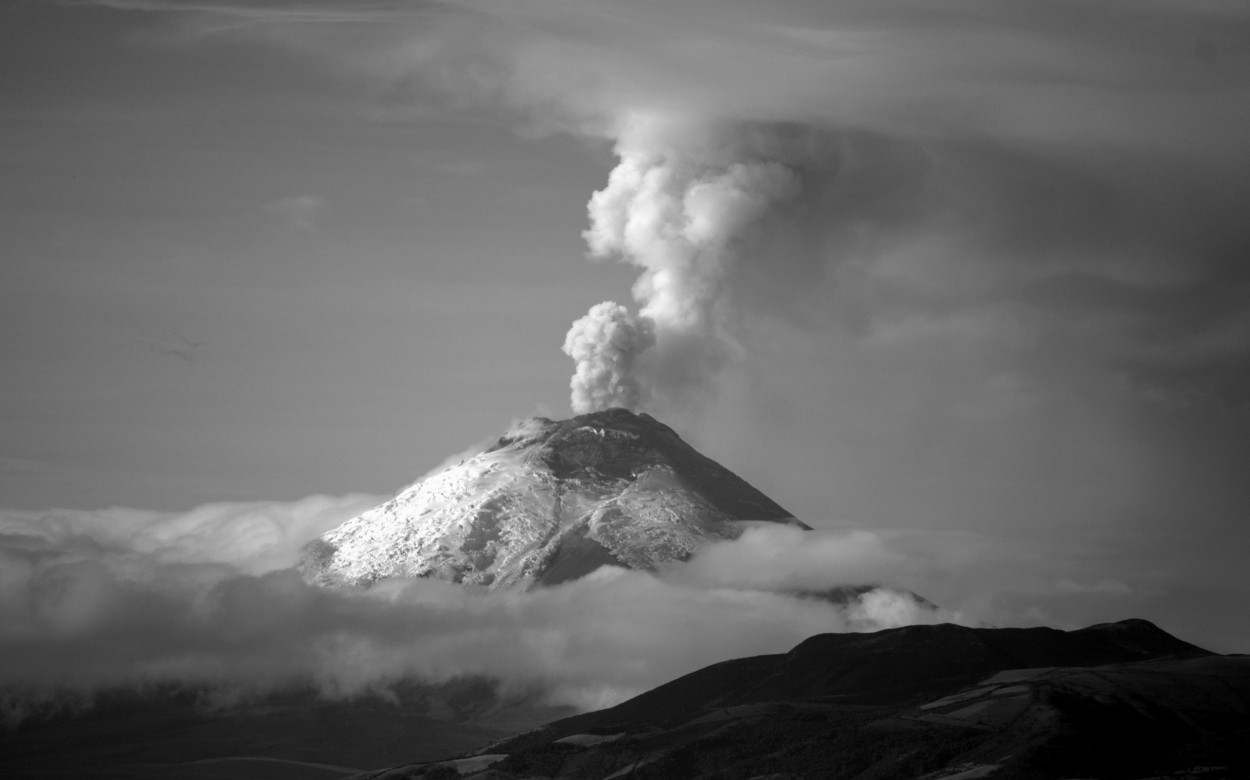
pixel 1117 700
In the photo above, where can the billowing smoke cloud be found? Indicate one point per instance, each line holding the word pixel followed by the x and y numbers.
pixel 605 345
pixel 124 599
pixel 683 212
pixel 992 179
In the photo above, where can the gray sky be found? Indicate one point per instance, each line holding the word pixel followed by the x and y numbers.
pixel 255 251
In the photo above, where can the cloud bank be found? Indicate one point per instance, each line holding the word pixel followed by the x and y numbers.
pixel 207 600
pixel 120 599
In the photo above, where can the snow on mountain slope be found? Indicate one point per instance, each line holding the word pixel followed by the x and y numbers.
pixel 551 501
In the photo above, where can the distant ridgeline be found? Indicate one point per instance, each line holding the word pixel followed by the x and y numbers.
pixel 1116 700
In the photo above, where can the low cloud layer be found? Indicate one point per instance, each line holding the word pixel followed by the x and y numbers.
pixel 782 558
pixel 123 599
pixel 251 537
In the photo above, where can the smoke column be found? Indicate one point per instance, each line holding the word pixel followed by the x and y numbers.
pixel 680 211
pixel 604 345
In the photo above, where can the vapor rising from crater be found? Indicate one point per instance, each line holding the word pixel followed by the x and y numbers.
pixel 1031 195
pixel 682 206
pixel 605 345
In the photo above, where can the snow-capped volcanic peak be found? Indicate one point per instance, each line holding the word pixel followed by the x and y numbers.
pixel 552 500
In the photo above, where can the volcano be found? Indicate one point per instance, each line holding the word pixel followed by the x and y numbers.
pixel 550 501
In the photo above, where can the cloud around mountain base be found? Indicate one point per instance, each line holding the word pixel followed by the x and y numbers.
pixel 123 599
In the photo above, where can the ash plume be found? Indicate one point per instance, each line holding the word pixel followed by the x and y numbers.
pixel 605 344
pixel 682 207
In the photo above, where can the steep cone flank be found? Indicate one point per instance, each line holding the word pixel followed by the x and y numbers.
pixel 550 501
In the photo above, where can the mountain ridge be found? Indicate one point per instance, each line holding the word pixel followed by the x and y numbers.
pixel 894 663
pixel 1113 700
pixel 549 501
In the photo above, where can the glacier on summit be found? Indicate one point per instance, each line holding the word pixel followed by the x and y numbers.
pixel 551 501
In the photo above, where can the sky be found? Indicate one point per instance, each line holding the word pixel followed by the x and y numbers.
pixel 968 277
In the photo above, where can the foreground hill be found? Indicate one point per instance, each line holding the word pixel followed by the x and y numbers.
pixel 1118 700
pixel 171 734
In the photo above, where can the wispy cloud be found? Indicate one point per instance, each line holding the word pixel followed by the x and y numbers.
pixel 991 180
pixel 298 211
pixel 170 342
pixel 274 10
pixel 1107 586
